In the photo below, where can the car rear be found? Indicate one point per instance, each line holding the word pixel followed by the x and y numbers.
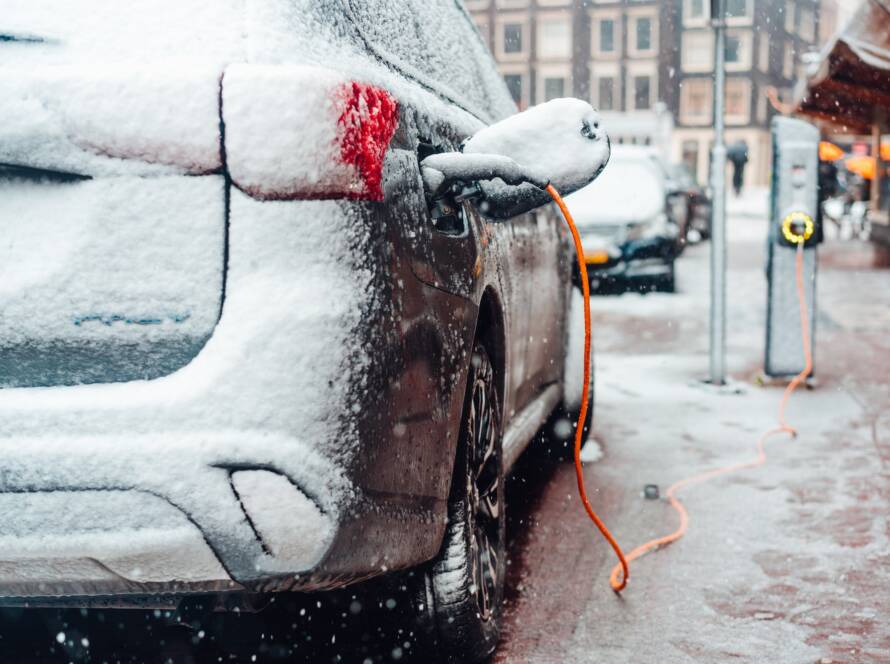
pixel 193 285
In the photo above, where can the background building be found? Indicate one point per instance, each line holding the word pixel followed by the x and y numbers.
pixel 648 65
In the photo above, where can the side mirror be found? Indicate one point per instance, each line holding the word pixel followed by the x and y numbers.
pixel 509 164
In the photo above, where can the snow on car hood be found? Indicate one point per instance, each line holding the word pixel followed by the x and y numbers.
pixel 628 190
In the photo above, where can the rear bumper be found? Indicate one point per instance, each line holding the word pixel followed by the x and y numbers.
pixel 198 514
pixel 640 260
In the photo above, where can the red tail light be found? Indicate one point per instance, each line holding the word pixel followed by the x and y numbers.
pixel 295 132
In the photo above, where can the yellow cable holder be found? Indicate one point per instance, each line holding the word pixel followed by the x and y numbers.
pixel 809 227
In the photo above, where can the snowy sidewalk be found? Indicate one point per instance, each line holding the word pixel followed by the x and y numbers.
pixel 785 563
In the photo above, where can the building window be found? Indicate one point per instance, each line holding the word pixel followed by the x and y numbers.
pixel 695 9
pixel 698 50
pixel 788 62
pixel 514 85
pixel 737 49
pixel 512 38
pixel 644 34
pixel 736 8
pixel 642 92
pixel 690 156
pixel 606 93
pixel 554 40
pixel 738 100
pixel 696 101
pixel 554 87
pixel 733 49
pixel 607 35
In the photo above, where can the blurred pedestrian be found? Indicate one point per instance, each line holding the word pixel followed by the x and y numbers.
pixel 738 155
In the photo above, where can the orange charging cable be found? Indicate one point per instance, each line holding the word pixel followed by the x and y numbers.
pixel 617 585
pixel 620 571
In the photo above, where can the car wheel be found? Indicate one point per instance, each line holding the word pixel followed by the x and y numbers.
pixel 667 283
pixel 463 587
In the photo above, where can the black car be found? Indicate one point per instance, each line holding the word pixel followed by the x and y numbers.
pixel 630 237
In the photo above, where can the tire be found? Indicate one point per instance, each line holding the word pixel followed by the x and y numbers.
pixel 667 283
pixel 462 588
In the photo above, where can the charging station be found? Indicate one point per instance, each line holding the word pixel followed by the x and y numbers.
pixel 794 218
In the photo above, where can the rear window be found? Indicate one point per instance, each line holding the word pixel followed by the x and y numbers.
pixel 434 42
pixel 61 32
pixel 628 190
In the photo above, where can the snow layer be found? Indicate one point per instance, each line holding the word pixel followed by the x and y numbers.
pixel 290 524
pixel 122 259
pixel 93 120
pixel 574 360
pixel 630 189
pixel 305 132
pixel 133 32
pixel 99 536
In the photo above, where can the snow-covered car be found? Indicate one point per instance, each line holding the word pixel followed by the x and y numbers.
pixel 629 237
pixel 241 350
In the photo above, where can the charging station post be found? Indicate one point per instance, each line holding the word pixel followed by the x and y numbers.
pixel 794 202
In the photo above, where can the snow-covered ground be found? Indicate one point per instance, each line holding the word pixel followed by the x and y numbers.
pixel 789 562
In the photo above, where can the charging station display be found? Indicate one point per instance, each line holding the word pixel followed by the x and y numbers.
pixel 793 220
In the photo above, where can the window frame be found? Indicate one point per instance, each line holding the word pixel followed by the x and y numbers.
pixel 501 21
pixel 696 21
pixel 633 16
pixel 555 19
pixel 745 39
pixel 705 118
pixel 596 16
pixel 507 45
pixel 552 70
pixel 747 18
pixel 745 117
pixel 521 70
pixel 639 77
pixel 707 37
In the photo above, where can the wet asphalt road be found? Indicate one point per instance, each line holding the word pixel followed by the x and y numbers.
pixel 788 563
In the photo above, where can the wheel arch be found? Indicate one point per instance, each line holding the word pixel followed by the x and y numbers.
pixel 491 331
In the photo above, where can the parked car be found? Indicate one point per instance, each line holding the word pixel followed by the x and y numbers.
pixel 630 238
pixel 693 201
pixel 241 351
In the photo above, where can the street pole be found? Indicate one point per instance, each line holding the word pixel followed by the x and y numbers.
pixel 718 219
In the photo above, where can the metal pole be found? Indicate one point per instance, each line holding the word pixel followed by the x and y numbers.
pixel 718 220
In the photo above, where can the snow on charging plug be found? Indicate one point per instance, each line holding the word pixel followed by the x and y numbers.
pixel 510 163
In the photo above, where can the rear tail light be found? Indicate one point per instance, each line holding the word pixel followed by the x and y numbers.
pixel 296 132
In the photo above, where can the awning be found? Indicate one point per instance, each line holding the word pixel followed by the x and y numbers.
pixel 852 84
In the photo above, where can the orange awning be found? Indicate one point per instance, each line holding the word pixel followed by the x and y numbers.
pixel 862 165
pixel 829 151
